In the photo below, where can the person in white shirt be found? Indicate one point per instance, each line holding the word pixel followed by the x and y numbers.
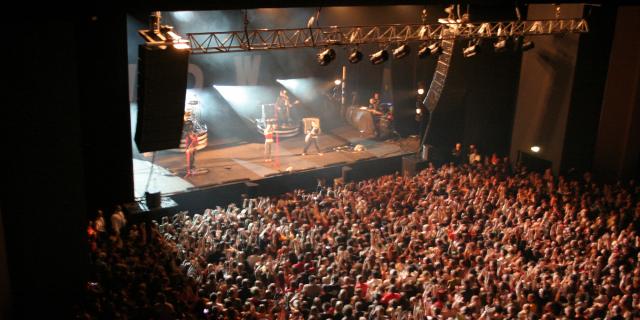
pixel 118 220
pixel 268 141
pixel 100 224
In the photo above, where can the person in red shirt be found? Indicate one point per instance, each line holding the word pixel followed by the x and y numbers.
pixel 391 294
pixel 362 285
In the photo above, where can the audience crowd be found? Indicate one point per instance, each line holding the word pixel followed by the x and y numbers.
pixel 456 242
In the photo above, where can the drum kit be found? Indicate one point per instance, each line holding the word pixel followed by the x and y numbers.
pixel 271 115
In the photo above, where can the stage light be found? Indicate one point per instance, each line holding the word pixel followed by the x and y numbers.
pixel 423 50
pixel 401 51
pixel 420 91
pixel 535 149
pixel 426 50
pixel 337 82
pixel 379 57
pixel 326 56
pixel 355 56
pixel 470 51
pixel 500 45
pixel 170 34
pixel 528 45
pixel 435 49
pixel 418 111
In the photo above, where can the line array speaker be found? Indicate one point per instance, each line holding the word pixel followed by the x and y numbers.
pixel 162 87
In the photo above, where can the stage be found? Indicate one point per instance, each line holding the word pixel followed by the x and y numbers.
pixel 244 162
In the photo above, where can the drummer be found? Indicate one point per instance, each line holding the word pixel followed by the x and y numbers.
pixel 374 103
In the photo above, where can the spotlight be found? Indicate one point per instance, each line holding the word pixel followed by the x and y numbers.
pixel 355 56
pixel 326 56
pixel 435 49
pixel 500 45
pixel 337 82
pixel 401 51
pixel 470 51
pixel 420 91
pixel 527 45
pixel 425 50
pixel 535 149
pixel 418 111
pixel 379 57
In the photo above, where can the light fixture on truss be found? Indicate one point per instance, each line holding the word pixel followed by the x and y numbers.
pixel 471 50
pixel 162 36
pixel 401 51
pixel 379 57
pixel 355 56
pixel 326 56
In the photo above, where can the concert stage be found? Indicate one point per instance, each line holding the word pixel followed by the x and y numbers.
pixel 233 164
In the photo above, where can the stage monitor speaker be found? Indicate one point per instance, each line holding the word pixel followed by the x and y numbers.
pixel 162 87
pixel 411 165
pixel 347 174
pixel 153 200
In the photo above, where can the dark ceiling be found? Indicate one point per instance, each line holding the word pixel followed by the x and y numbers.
pixel 73 9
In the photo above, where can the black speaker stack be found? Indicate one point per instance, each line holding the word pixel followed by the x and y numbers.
pixel 162 87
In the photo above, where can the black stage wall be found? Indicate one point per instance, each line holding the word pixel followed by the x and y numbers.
pixel 617 147
pixel 44 182
pixel 70 150
pixel 588 89
pixel 102 60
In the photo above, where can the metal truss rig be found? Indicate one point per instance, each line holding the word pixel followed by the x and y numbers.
pixel 270 39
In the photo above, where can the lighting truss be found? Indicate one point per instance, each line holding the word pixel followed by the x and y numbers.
pixel 270 39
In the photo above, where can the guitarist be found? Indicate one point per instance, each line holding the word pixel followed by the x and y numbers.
pixel 312 137
pixel 283 107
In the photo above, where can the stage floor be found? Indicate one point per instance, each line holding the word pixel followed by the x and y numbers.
pixel 246 161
